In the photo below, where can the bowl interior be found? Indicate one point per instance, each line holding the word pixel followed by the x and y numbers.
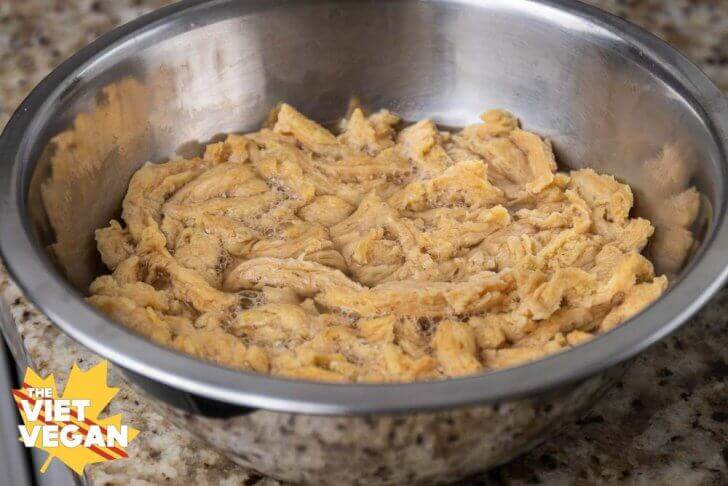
pixel 221 68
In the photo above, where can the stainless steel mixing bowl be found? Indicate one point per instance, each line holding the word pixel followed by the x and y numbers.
pixel 607 94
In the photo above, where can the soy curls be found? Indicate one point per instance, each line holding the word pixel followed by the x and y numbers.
pixel 377 255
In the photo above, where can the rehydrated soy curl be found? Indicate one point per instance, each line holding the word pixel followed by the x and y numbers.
pixel 378 255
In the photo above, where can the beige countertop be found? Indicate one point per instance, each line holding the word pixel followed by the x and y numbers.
pixel 665 422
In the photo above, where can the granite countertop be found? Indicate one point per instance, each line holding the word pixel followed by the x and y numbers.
pixel 666 421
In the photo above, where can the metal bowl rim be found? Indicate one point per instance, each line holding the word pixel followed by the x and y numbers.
pixel 32 270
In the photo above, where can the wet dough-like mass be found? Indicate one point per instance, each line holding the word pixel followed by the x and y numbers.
pixel 377 255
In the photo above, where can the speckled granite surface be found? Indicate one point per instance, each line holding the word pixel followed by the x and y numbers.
pixel 666 422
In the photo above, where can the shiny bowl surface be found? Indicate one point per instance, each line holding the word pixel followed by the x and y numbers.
pixel 609 96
